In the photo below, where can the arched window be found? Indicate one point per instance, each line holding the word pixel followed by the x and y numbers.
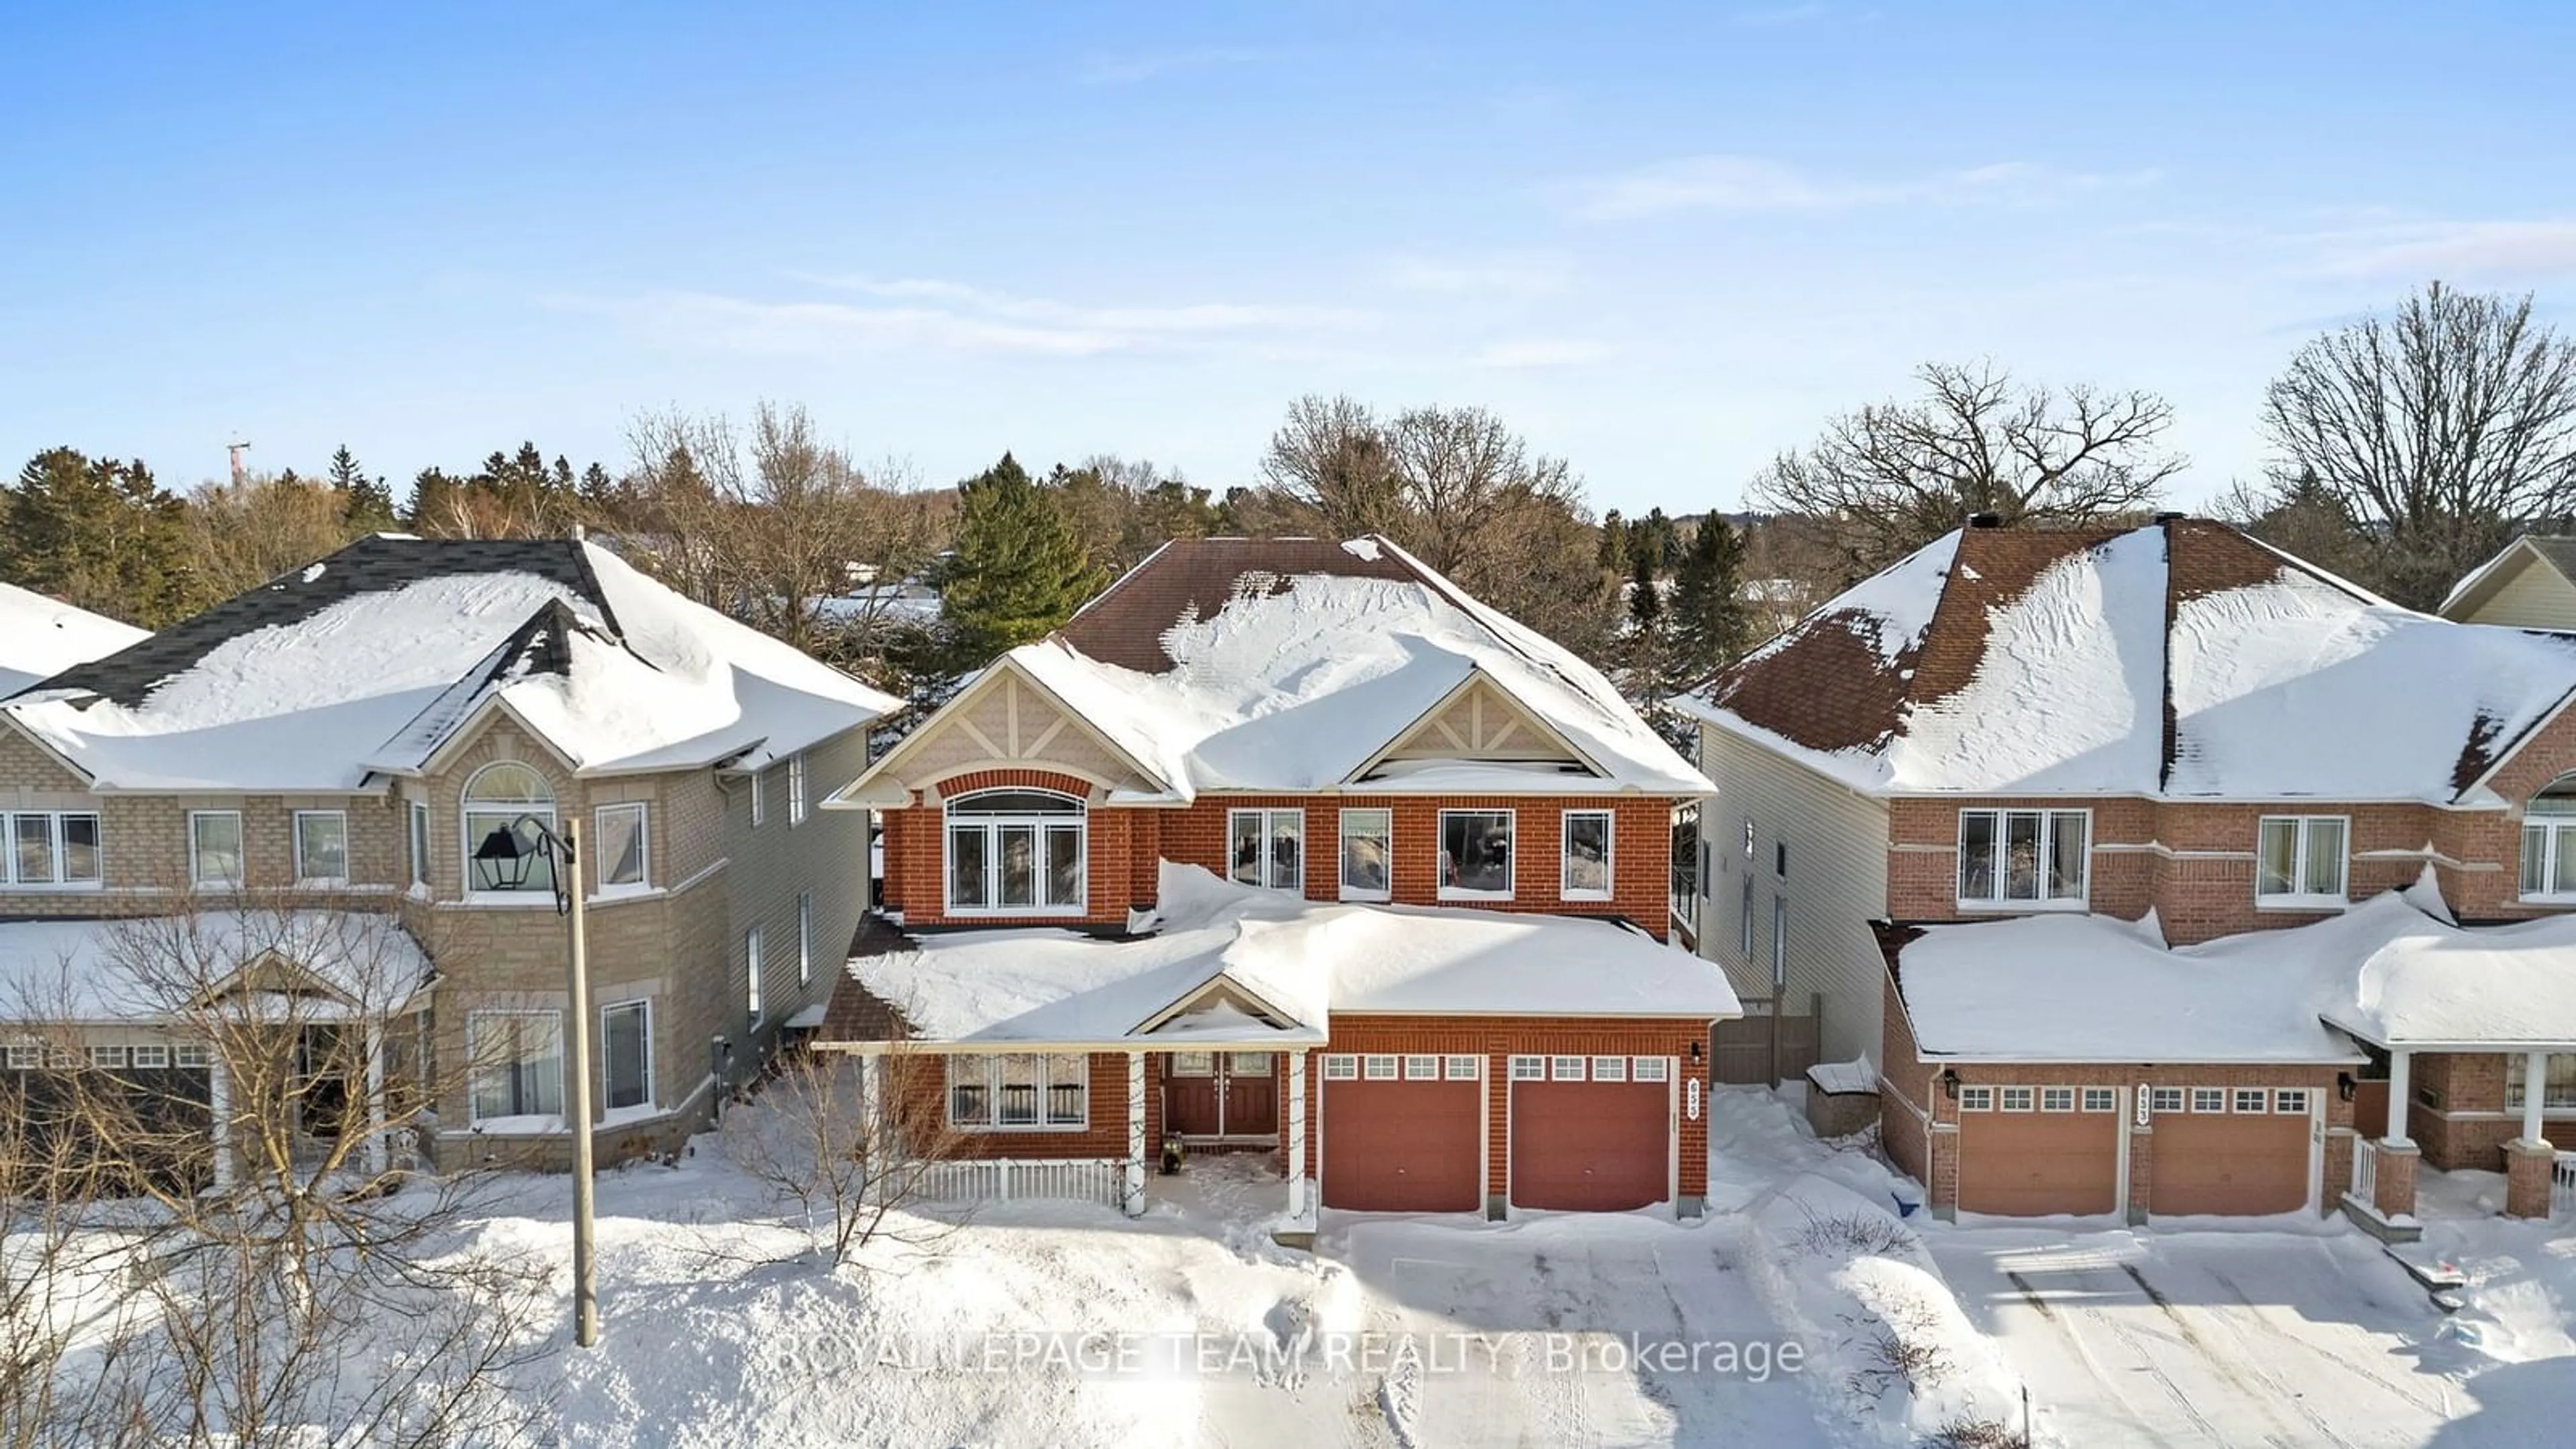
pixel 2549 843
pixel 1015 851
pixel 498 797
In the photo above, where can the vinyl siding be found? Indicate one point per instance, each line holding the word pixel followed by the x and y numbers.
pixel 2536 597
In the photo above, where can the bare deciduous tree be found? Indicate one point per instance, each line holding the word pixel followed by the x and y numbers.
pixel 852 1161
pixel 1892 477
pixel 2443 430
pixel 249 532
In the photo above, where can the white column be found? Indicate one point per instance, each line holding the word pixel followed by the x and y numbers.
pixel 1134 1204
pixel 1297 1133
pixel 375 1150
pixel 219 1106
pixel 2535 1082
pixel 2400 1090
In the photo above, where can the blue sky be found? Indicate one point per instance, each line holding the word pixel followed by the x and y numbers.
pixel 1664 241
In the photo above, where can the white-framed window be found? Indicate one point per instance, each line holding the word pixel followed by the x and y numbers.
pixel 1529 1069
pixel 498 798
pixel 626 1053
pixel 2101 1099
pixel 1422 1069
pixel 1341 1068
pixel 2290 1101
pixel 1368 854
pixel 1266 848
pixel 1744 920
pixel 1566 1069
pixel 419 842
pixel 62 1058
pixel 25 1056
pixel 1020 1092
pixel 53 849
pixel 191 1054
pixel 804 938
pixel 1379 1066
pixel 2016 1099
pixel 1653 1069
pixel 1475 854
pixel 2253 1099
pixel 621 840
pixel 1585 874
pixel 1016 852
pixel 2014 858
pixel 753 967
pixel 2209 1099
pixel 2549 843
pixel 2164 1099
pixel 2057 1099
pixel 152 1057
pixel 322 847
pixel 2557 1087
pixel 2300 860
pixel 795 790
pixel 759 799
pixel 1462 1068
pixel 109 1058
pixel 1976 1099
pixel 1609 1069
pixel 215 849
pixel 517 1060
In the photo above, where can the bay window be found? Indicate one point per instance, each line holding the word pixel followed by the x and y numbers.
pixel 626 1053
pixel 1368 854
pixel 52 848
pixel 622 846
pixel 1015 852
pixel 2549 844
pixel 1266 848
pixel 1020 1092
pixel 1475 854
pixel 2299 860
pixel 2011 858
pixel 1585 872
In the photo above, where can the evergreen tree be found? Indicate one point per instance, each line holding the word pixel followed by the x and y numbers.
pixel 1711 624
pixel 100 534
pixel 1645 599
pixel 1613 556
pixel 1019 569
pixel 366 504
pixel 435 499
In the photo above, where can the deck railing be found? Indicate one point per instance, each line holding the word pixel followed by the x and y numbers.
pixel 2365 1171
pixel 2562 1185
pixel 1004 1179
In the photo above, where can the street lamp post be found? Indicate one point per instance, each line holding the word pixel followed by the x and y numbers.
pixel 509 853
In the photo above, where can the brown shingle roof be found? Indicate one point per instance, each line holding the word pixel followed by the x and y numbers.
pixel 1192 578
pixel 856 1014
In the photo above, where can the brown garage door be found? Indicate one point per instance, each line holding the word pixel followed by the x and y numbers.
pixel 2028 1163
pixel 1588 1137
pixel 2250 1158
pixel 1403 1146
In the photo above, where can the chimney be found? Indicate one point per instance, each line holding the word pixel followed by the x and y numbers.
pixel 2165 518
pixel 1985 520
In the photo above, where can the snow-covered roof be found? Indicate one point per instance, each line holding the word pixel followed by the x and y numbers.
pixel 366 663
pixel 1291 664
pixel 2182 659
pixel 2393 970
pixel 147 968
pixel 42 637
pixel 1240 948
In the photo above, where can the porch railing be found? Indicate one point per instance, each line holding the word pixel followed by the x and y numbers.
pixel 2562 1185
pixel 2365 1170
pixel 1004 1179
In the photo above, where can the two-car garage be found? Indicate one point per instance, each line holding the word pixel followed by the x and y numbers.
pixel 2039 1150
pixel 1401 1132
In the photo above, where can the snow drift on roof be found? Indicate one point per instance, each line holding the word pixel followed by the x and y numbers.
pixel 41 637
pixel 142 969
pixel 1303 958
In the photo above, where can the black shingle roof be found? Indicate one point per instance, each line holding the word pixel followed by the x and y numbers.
pixel 376 564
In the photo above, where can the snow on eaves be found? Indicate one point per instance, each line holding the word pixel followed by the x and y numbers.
pixel 1304 958
pixel 41 637
pixel 146 969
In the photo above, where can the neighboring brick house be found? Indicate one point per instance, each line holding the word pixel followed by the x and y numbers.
pixel 1278 797
pixel 2531 585
pixel 352 734
pixel 2174 725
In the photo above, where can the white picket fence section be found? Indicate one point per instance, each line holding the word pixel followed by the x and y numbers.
pixel 2365 1170
pixel 2562 1185
pixel 1003 1179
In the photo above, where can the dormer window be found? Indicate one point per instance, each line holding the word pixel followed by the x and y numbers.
pixel 1015 852
pixel 2549 844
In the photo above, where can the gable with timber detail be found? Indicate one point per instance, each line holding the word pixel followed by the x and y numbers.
pixel 1481 722
pixel 1005 721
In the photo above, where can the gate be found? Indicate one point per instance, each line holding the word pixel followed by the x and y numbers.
pixel 1740 1051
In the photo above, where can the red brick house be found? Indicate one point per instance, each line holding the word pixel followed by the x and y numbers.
pixel 1263 801
pixel 2178 727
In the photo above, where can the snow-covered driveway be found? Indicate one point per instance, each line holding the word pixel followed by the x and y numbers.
pixel 2220 1339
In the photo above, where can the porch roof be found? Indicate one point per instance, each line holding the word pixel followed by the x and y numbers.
pixel 1234 966
pixel 157 968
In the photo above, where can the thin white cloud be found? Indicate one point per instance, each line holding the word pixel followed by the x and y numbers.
pixel 1520 274
pixel 1134 67
pixel 2508 249
pixel 1753 184
pixel 1190 317
pixel 1539 352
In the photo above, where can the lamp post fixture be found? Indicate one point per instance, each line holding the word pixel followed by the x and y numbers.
pixel 510 852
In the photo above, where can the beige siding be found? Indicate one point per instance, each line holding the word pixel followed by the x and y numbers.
pixel 2536 597
pixel 1481 724
pixel 768 866
pixel 1836 883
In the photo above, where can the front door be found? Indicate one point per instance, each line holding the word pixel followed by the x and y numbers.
pixel 1221 1094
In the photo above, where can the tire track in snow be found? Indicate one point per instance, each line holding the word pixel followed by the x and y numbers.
pixel 2142 1360
pixel 2273 1333
pixel 2269 1388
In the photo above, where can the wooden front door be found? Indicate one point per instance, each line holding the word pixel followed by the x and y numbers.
pixel 1221 1094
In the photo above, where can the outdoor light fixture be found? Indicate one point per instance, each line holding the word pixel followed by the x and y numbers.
pixel 1694 1046
pixel 505 857
pixel 1950 1083
pixel 2344 1086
